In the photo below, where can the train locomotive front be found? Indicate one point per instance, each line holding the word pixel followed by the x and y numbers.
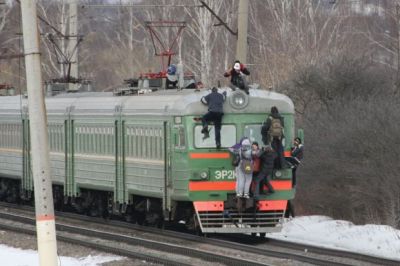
pixel 212 183
pixel 144 158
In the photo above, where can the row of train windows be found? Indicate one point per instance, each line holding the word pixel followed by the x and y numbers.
pixel 141 142
pixel 146 143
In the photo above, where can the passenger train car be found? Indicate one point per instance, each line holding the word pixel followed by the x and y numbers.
pixel 143 157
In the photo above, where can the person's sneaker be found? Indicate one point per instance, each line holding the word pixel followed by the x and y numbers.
pixel 206 136
pixel 218 145
pixel 239 195
pixel 204 130
pixel 246 196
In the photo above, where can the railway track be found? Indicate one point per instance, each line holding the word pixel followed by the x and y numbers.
pixel 175 248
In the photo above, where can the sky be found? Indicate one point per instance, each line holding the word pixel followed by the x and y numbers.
pixel 377 240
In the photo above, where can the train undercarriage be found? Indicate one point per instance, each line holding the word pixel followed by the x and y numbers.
pixel 232 215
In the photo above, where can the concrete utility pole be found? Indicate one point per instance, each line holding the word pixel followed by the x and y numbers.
pixel 398 40
pixel 45 220
pixel 73 42
pixel 241 46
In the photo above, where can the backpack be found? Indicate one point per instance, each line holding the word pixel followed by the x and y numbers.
pixel 235 159
pixel 276 129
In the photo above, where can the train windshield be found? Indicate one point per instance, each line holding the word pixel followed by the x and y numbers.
pixel 228 137
pixel 253 132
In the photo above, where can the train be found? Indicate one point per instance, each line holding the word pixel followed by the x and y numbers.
pixel 143 158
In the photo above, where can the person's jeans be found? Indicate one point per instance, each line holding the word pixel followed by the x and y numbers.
pixel 261 179
pixel 216 118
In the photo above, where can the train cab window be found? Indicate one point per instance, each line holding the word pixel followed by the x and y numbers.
pixel 253 132
pixel 228 137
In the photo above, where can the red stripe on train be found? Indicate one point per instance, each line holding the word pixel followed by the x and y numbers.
pixel 211 186
pixel 209 155
pixel 271 205
pixel 208 205
pixel 230 185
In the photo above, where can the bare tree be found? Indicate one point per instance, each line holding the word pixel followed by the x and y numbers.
pixel 202 30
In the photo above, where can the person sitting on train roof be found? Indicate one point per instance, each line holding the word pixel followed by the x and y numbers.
pixel 272 134
pixel 215 101
pixel 267 157
pixel 237 73
pixel 243 162
pixel 172 77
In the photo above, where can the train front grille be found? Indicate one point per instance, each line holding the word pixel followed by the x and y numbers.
pixel 240 222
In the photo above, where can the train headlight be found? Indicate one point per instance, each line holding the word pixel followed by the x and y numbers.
pixel 204 175
pixel 278 174
pixel 239 100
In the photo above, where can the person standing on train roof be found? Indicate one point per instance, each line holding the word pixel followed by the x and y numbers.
pixel 243 163
pixel 272 134
pixel 237 73
pixel 215 102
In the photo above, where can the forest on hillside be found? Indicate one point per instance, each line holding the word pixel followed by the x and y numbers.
pixel 337 60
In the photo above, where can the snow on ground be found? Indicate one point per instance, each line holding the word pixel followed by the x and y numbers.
pixel 18 257
pixel 370 239
pixel 375 240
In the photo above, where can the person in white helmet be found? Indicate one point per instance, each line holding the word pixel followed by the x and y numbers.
pixel 237 73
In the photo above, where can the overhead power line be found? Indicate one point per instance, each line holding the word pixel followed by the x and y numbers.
pixel 137 6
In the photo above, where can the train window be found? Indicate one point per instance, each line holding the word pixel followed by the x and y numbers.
pixel 228 137
pixel 253 132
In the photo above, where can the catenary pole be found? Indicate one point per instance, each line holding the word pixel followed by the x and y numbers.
pixel 241 46
pixel 73 42
pixel 45 220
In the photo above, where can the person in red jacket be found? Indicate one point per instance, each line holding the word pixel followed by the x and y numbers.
pixel 237 73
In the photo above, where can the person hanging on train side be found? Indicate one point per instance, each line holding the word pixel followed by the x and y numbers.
pixel 297 156
pixel 243 162
pixel 267 157
pixel 272 134
pixel 214 101
pixel 256 162
pixel 237 73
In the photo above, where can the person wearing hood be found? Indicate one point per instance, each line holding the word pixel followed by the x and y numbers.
pixel 214 101
pixel 237 73
pixel 272 134
pixel 244 167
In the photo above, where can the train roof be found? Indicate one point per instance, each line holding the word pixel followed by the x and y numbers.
pixel 164 102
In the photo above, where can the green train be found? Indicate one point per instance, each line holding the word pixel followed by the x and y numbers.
pixel 143 158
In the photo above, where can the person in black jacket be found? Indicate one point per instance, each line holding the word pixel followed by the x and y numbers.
pixel 272 134
pixel 215 101
pixel 297 156
pixel 267 157
pixel 237 73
